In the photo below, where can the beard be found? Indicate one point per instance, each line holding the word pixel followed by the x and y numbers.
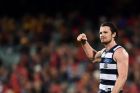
pixel 106 42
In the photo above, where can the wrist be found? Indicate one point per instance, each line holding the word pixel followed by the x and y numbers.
pixel 83 42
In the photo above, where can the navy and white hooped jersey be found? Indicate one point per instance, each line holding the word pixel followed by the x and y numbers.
pixel 108 70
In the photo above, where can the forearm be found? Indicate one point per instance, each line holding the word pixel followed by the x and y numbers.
pixel 119 84
pixel 90 52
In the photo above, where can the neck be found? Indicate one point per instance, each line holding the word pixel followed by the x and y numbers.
pixel 110 45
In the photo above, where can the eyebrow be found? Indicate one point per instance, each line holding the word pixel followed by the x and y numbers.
pixel 103 31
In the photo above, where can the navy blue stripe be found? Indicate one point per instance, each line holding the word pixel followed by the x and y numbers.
pixel 111 50
pixel 107 82
pixel 112 62
pixel 109 71
pixel 102 91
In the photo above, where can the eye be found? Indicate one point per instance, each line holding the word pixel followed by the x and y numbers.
pixel 105 32
pixel 100 32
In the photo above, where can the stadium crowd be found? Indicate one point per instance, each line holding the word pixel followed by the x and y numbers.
pixel 39 54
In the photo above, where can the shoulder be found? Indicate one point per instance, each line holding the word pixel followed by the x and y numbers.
pixel 97 57
pixel 99 53
pixel 121 53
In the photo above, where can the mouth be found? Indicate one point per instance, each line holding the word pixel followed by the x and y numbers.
pixel 102 38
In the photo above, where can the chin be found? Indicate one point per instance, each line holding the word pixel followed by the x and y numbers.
pixel 105 43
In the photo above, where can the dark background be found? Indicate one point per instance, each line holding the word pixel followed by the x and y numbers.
pixel 85 7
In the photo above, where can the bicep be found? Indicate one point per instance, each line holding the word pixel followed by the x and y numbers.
pixel 122 59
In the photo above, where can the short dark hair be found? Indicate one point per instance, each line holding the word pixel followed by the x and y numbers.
pixel 113 28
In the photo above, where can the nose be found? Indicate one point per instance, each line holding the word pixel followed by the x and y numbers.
pixel 101 35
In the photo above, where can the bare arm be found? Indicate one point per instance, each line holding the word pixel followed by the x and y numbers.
pixel 91 53
pixel 122 58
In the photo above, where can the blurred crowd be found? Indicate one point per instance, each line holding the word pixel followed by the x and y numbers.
pixel 39 54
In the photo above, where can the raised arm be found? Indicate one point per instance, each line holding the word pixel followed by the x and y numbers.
pixel 91 53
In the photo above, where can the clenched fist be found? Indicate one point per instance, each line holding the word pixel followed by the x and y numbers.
pixel 82 37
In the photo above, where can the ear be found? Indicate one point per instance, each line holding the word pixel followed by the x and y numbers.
pixel 114 34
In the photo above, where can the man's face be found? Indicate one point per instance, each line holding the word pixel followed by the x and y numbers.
pixel 106 35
